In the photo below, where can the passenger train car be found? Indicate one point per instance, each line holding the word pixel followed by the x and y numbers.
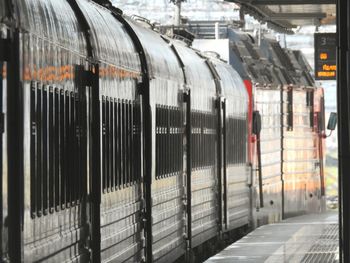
pixel 123 145
pixel 288 164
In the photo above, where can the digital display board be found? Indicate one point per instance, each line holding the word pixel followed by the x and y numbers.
pixel 325 56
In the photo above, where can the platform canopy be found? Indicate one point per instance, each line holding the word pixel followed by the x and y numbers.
pixel 284 15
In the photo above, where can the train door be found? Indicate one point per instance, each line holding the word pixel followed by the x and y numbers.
pixel 204 184
pixel 301 168
pixel 221 158
pixel 315 180
pixel 234 149
pixel 269 165
pixel 297 148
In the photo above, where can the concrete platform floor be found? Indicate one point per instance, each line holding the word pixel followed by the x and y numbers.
pixel 308 239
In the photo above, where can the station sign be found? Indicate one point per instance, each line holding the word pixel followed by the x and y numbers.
pixel 325 56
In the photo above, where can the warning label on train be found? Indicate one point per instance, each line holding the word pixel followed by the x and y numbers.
pixel 325 56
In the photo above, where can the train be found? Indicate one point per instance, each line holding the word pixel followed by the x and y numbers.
pixel 121 144
pixel 289 156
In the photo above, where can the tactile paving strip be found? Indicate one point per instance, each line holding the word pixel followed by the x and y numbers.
pixel 325 248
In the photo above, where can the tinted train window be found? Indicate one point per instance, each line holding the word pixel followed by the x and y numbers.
pixel 121 143
pixel 236 138
pixel 310 104
pixel 169 145
pixel 57 148
pixel 290 110
pixel 203 149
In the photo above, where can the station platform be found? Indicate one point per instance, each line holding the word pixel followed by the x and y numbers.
pixel 308 239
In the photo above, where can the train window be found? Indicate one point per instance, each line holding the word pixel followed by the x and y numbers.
pixel 243 140
pixel 321 120
pixel 121 143
pixel 203 149
pixel 310 104
pixel 57 158
pixel 236 147
pixel 103 113
pixel 230 140
pixel 309 98
pixel 290 110
pixel 169 134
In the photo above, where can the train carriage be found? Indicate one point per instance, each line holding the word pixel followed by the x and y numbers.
pixel 201 177
pixel 52 126
pixel 166 87
pixel 303 174
pixel 235 127
pixel 121 194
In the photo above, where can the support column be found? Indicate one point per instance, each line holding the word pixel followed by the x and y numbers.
pixel 343 128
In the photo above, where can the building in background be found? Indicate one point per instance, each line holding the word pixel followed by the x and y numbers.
pixel 162 11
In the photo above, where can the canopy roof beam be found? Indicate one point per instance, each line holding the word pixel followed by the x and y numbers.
pixel 282 16
pixel 286 2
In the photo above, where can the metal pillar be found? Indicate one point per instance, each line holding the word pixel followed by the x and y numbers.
pixel 242 17
pixel 177 13
pixel 177 16
pixel 343 128
pixel 217 30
